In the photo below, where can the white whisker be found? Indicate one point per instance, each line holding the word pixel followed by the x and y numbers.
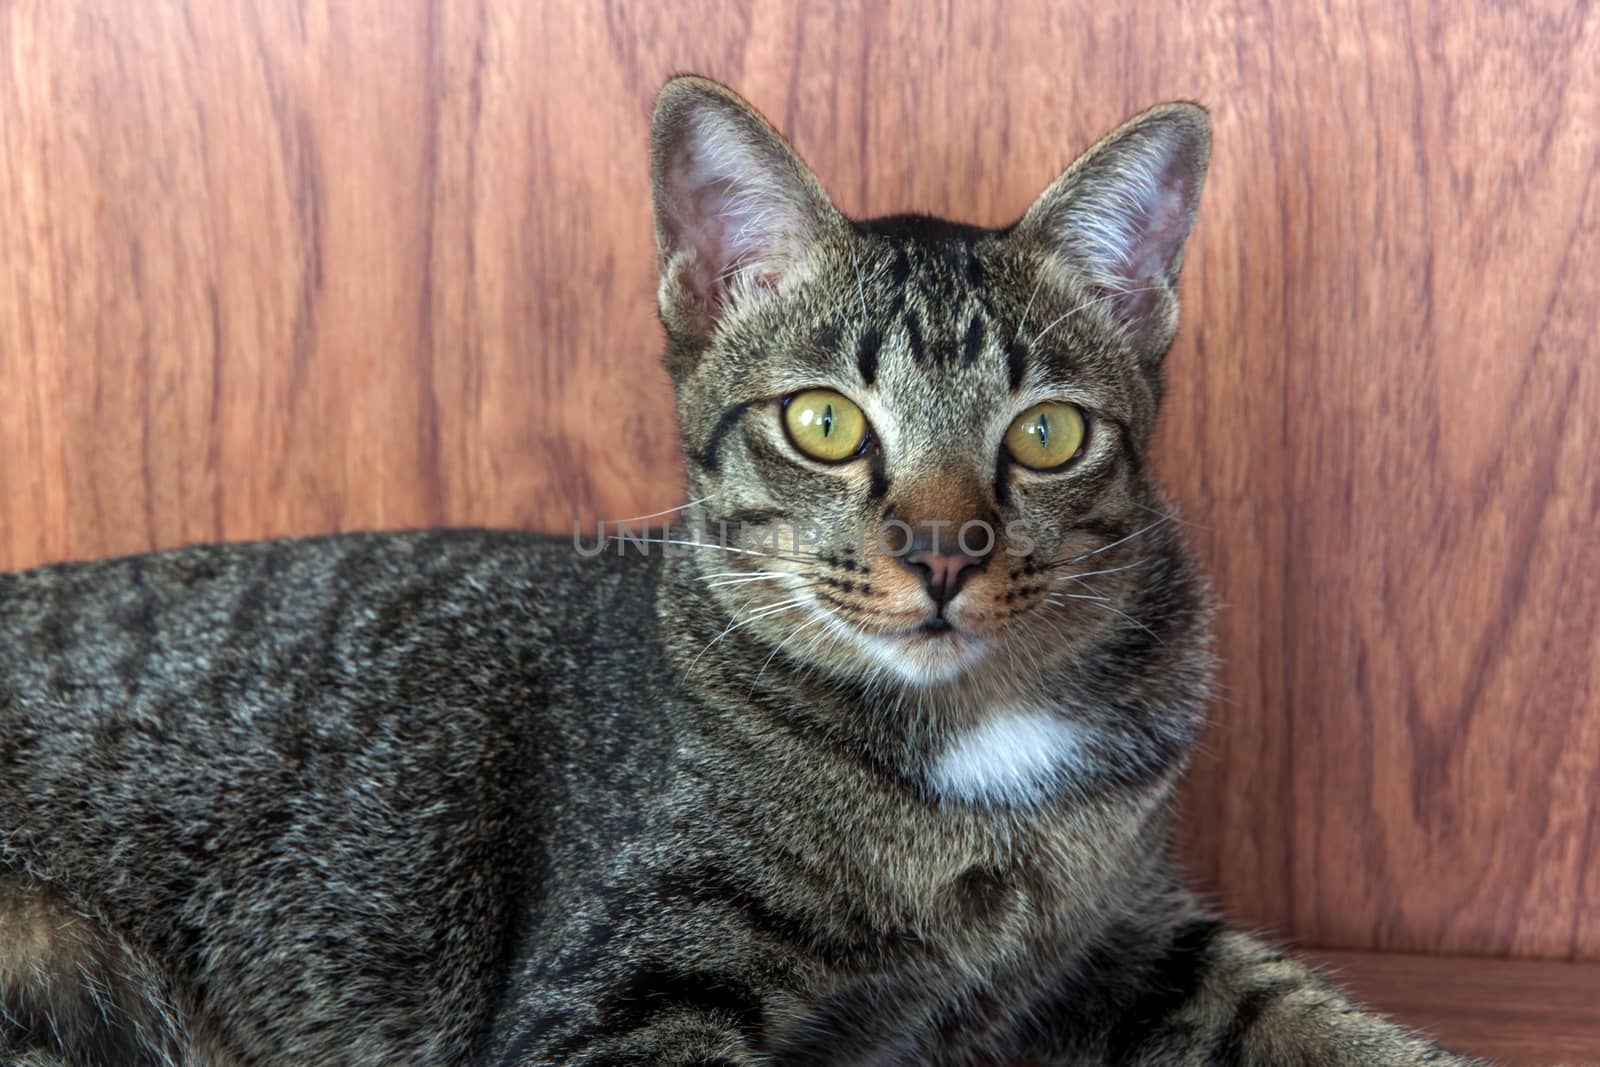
pixel 1023 322
pixel 706 544
pixel 1175 518
pixel 809 621
pixel 1055 597
pixel 1123 614
pixel 1107 570
pixel 1118 541
pixel 861 286
pixel 734 624
pixel 756 578
pixel 1064 316
pixel 654 514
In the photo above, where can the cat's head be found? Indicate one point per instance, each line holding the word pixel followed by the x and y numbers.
pixel 920 446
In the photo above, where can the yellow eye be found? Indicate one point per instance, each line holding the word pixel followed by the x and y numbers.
pixel 824 425
pixel 1046 435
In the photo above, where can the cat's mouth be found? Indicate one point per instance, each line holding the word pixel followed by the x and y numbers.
pixel 933 651
pixel 920 645
pixel 935 634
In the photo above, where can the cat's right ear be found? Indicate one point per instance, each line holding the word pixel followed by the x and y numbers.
pixel 736 210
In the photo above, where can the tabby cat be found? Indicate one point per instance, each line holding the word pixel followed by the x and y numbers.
pixel 867 760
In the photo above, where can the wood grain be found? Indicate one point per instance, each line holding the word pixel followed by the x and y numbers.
pixel 1519 1013
pixel 286 267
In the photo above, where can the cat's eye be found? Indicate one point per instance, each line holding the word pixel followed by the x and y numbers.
pixel 825 425
pixel 1047 435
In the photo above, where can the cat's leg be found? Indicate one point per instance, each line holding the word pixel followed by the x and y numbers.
pixel 1219 997
pixel 72 993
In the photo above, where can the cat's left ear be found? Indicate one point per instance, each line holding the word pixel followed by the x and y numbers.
pixel 1119 216
pixel 736 210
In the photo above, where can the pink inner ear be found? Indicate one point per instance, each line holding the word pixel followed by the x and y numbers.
pixel 1152 254
pixel 732 213
pixel 696 222
pixel 1155 222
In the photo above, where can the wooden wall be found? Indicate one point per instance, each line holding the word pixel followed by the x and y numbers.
pixel 278 267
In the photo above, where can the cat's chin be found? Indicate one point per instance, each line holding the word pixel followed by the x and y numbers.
pixel 925 656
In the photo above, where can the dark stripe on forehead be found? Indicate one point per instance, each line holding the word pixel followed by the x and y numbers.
pixel 1016 362
pixel 986 302
pixel 708 456
pixel 973 344
pixel 900 269
pixel 867 355
pixel 914 336
pixel 958 259
pixel 974 268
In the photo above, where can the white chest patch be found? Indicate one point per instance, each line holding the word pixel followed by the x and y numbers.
pixel 1014 758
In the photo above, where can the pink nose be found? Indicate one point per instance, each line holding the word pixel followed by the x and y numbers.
pixel 943 572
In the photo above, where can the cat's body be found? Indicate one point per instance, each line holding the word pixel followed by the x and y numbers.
pixel 462 797
pixel 442 809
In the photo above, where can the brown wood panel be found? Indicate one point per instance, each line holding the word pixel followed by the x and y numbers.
pixel 1519 1013
pixel 286 266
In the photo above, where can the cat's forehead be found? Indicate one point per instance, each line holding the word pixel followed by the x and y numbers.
pixel 917 302
pixel 931 254
pixel 935 323
pixel 938 333
pixel 933 267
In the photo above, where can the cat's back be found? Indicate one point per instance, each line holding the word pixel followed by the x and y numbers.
pixel 344 749
pixel 257 626
pixel 298 656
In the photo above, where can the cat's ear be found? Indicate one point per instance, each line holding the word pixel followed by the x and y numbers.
pixel 1119 216
pixel 735 208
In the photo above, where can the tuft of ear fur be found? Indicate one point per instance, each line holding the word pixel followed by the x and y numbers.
pixel 1119 216
pixel 736 209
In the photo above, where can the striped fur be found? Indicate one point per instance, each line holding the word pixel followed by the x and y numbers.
pixel 461 797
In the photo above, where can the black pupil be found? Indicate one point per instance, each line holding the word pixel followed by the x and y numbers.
pixel 1044 431
pixel 827 420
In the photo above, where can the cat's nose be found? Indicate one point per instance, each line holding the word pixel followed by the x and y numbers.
pixel 944 568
